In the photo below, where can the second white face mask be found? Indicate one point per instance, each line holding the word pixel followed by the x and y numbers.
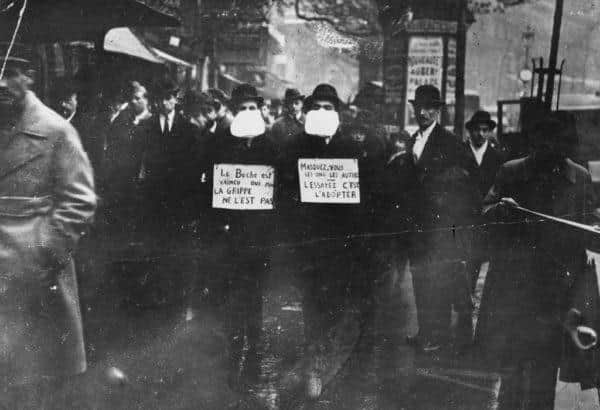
pixel 248 124
pixel 322 123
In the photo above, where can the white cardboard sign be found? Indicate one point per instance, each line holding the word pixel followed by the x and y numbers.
pixel 329 180
pixel 243 187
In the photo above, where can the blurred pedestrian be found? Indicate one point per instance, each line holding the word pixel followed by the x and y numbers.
pixel 224 114
pixel 535 265
pixel 123 159
pixel 483 164
pixel 433 169
pixel 291 123
pixel 168 181
pixel 69 105
pixel 265 110
pixel 47 202
pixel 241 234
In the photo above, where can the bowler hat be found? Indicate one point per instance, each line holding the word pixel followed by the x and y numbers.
pixel 325 92
pixel 481 117
pixel 195 101
pixel 292 94
pixel 428 96
pixel 558 124
pixel 246 92
pixel 167 89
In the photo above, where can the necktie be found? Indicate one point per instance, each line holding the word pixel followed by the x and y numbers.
pixel 166 130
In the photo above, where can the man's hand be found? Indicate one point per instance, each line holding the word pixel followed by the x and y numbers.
pixel 509 202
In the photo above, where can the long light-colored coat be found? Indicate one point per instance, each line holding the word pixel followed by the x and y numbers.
pixel 46 201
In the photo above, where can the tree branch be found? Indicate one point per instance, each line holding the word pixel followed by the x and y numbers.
pixel 332 23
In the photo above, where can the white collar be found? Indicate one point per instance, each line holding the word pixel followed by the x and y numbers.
pixel 421 139
pixel 427 132
pixel 71 116
pixel 479 152
pixel 143 115
pixel 169 118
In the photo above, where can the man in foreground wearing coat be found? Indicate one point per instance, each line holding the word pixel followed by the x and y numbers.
pixel 47 200
pixel 535 265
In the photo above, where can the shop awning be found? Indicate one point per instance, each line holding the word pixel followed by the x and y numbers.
pixel 123 41
pixel 50 21
pixel 170 58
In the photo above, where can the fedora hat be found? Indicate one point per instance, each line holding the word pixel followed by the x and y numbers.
pixel 481 117
pixel 324 92
pixel 427 95
pixel 245 92
pixel 292 94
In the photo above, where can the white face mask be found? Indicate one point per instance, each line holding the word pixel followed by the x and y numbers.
pixel 322 123
pixel 248 124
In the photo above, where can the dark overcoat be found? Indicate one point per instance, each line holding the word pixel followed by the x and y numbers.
pixel 534 262
pixel 47 200
pixel 310 222
pixel 170 178
pixel 244 228
pixel 484 174
pixel 432 196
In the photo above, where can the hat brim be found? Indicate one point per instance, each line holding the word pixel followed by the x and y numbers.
pixel 259 100
pixel 295 97
pixel 310 99
pixel 491 123
pixel 434 103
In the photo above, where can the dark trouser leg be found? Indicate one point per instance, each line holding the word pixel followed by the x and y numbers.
pixel 433 298
pixel 314 297
pixel 530 386
pixel 253 294
pixel 463 305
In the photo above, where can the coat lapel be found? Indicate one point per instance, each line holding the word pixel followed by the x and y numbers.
pixel 430 149
pixel 20 150
pixel 28 141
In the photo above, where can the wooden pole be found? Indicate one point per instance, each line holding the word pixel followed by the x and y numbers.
pixel 558 12
pixel 461 51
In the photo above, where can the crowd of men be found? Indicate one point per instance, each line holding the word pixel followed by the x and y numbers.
pixel 424 200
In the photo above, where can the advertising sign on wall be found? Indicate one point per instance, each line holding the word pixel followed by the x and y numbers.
pixel 425 66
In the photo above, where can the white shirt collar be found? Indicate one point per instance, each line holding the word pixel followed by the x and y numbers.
pixel 479 152
pixel 421 139
pixel 170 117
pixel 71 116
pixel 144 114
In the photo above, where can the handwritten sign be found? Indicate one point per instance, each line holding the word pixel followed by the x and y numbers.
pixel 243 187
pixel 332 181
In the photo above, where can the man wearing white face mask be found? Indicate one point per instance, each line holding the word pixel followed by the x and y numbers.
pixel 335 276
pixel 242 236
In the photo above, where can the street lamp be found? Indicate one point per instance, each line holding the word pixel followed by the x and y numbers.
pixel 528 37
